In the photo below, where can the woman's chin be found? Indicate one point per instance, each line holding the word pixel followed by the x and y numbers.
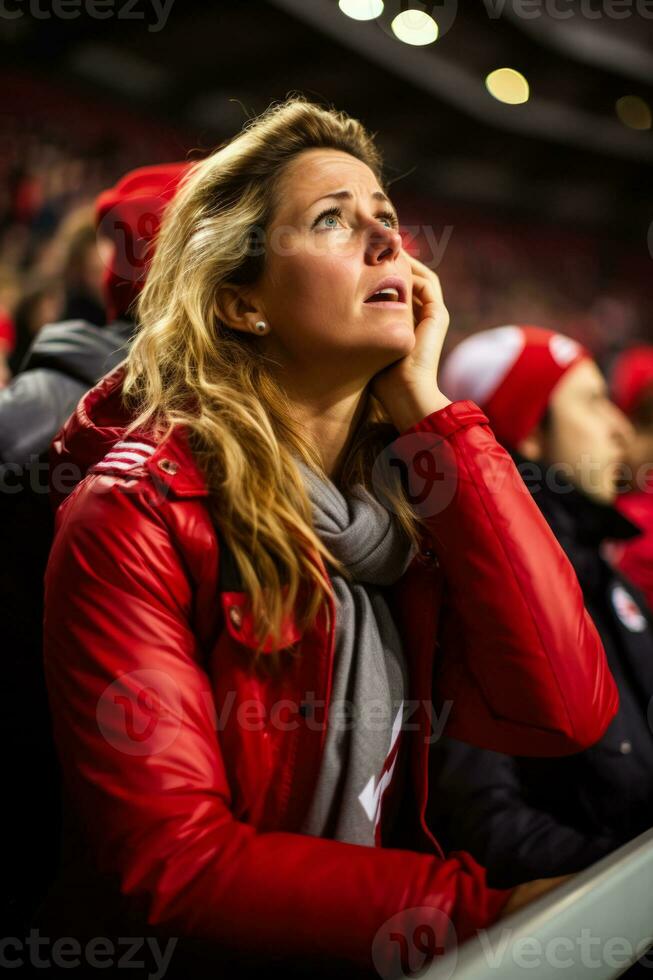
pixel 398 338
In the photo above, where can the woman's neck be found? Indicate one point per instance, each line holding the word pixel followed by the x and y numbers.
pixel 329 421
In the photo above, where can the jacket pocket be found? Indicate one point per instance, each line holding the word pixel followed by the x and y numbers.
pixel 239 621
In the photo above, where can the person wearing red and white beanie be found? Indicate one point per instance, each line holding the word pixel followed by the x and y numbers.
pixel 631 384
pixel 548 403
pixel 524 377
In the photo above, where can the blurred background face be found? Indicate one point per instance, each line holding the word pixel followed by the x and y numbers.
pixel 326 258
pixel 587 435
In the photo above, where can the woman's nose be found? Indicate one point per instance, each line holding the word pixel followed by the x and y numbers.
pixel 382 243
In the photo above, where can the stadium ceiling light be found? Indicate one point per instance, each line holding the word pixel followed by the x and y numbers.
pixel 507 85
pixel 361 9
pixel 415 27
pixel 634 112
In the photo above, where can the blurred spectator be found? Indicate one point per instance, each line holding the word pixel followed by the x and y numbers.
pixel 548 403
pixel 41 303
pixel 63 361
pixel 83 279
pixel 632 388
pixel 74 254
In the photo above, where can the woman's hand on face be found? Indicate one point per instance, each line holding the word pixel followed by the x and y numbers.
pixel 408 388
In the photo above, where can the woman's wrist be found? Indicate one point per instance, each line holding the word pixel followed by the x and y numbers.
pixel 415 406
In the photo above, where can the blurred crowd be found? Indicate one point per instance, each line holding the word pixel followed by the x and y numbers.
pixel 56 159
pixel 559 281
pixel 493 272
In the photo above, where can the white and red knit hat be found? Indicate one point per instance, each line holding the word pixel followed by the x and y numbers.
pixel 510 372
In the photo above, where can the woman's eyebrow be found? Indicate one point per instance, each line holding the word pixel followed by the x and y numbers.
pixel 347 196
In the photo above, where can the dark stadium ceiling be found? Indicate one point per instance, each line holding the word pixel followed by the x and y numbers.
pixel 563 156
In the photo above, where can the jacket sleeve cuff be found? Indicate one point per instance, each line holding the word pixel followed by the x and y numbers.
pixel 451 418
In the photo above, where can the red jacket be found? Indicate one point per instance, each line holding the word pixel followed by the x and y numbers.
pixel 194 803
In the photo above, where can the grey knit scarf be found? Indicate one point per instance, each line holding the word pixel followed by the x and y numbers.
pixel 369 679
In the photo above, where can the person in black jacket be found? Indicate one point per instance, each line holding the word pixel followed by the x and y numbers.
pixel 547 402
pixel 64 361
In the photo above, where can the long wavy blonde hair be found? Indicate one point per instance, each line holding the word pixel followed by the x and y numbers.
pixel 187 367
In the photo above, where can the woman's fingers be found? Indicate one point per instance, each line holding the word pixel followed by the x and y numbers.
pixel 426 284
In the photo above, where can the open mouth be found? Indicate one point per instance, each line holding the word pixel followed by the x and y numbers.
pixel 394 295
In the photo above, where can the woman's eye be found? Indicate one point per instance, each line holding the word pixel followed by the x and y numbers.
pixel 390 217
pixel 332 216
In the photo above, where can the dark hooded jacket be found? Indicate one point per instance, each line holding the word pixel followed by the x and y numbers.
pixel 64 361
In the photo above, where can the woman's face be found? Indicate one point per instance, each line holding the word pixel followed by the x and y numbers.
pixel 331 245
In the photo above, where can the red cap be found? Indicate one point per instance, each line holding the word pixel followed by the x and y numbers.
pixel 510 372
pixel 632 377
pixel 129 214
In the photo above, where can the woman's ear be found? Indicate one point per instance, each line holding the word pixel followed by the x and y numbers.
pixel 234 308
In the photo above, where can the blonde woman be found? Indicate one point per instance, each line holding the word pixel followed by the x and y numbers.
pixel 279 514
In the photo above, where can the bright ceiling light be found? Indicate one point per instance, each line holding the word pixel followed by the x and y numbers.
pixel 361 9
pixel 634 112
pixel 415 27
pixel 507 85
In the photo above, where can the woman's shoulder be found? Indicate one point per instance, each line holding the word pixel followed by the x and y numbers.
pixel 100 439
pixel 98 448
pixel 151 539
pixel 134 489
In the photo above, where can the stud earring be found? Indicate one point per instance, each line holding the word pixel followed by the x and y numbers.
pixel 261 326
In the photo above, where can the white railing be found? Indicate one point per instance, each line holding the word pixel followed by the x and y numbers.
pixel 594 925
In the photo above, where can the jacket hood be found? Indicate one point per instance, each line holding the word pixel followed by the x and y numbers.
pixel 97 424
pixel 79 349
